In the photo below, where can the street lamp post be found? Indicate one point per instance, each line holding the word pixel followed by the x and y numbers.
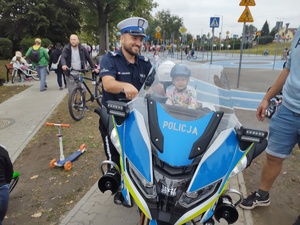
pixel 221 30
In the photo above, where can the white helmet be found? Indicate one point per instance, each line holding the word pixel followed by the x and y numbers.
pixel 164 70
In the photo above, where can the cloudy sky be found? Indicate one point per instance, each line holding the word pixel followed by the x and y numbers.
pixel 196 14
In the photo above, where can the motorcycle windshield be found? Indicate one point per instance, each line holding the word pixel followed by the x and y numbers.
pixel 180 113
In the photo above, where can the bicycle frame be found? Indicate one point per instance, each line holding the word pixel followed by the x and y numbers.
pixel 77 99
pixel 29 72
pixel 95 86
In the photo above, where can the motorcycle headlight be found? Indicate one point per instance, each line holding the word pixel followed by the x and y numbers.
pixel 147 188
pixel 239 167
pixel 170 187
pixel 188 199
pixel 115 139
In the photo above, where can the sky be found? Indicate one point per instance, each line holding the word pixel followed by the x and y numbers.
pixel 196 14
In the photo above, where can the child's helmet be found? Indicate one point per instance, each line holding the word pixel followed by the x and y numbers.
pixel 180 70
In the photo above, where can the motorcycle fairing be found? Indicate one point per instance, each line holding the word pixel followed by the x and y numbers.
pixel 216 161
pixel 208 205
pixel 133 130
pixel 175 151
pixel 135 193
pixel 135 144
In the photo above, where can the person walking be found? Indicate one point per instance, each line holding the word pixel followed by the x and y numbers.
pixel 39 58
pixel 76 56
pixel 55 59
pixel 6 173
pixel 284 125
pixel 123 72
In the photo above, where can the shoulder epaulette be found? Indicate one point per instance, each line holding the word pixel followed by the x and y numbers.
pixel 113 53
pixel 144 58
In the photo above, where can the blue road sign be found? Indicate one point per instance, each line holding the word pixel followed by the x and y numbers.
pixel 214 22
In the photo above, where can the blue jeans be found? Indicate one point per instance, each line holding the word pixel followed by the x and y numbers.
pixel 60 75
pixel 42 72
pixel 4 198
pixel 284 132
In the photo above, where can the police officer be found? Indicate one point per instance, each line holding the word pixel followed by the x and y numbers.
pixel 123 73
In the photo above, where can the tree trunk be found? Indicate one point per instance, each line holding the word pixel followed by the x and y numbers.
pixel 102 20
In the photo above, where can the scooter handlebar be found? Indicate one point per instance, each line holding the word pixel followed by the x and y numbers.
pixel 58 124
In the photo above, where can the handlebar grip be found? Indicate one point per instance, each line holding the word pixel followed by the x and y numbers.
pixel 58 125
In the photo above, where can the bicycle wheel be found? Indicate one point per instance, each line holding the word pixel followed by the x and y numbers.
pixel 99 94
pixel 34 74
pixel 14 76
pixel 76 104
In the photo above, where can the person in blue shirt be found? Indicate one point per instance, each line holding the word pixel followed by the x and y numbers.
pixel 123 73
pixel 284 125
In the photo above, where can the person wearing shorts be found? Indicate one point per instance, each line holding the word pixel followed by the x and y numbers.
pixel 284 129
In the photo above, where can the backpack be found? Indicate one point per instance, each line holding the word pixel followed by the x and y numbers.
pixel 35 55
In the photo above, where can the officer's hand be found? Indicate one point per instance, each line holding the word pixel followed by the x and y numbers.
pixel 96 71
pixel 64 67
pixel 130 91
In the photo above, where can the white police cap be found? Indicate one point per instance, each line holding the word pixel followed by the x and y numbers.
pixel 135 26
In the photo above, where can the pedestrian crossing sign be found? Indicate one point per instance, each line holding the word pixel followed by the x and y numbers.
pixel 246 16
pixel 214 22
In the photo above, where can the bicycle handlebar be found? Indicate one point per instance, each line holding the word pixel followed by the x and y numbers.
pixel 58 124
pixel 81 70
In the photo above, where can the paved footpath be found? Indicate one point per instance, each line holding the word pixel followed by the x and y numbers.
pixel 22 115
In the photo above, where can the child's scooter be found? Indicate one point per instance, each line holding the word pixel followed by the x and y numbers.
pixel 14 181
pixel 65 162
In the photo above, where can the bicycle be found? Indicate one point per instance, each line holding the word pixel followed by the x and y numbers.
pixel 27 71
pixel 190 56
pixel 77 98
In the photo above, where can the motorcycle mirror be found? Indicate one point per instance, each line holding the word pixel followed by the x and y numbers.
pixel 150 78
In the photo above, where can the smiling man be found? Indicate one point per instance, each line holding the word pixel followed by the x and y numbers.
pixel 123 73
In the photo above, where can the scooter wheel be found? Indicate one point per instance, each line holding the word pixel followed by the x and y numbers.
pixel 68 165
pixel 82 147
pixel 52 163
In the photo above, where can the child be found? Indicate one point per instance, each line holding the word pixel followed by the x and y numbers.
pixel 18 62
pixel 180 93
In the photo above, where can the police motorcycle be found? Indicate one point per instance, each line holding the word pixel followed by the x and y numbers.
pixel 176 162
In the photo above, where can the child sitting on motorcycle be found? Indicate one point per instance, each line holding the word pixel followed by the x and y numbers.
pixel 180 93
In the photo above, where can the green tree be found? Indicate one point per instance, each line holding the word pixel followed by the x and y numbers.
pixel 250 31
pixel 265 30
pixel 39 18
pixel 100 14
pixel 169 25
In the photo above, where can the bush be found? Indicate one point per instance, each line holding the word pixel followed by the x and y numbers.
pixel 266 40
pixel 6 51
pixel 26 43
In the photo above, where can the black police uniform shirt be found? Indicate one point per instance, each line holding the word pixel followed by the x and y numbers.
pixel 116 65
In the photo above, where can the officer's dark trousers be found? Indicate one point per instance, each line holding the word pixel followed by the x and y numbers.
pixel 110 150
